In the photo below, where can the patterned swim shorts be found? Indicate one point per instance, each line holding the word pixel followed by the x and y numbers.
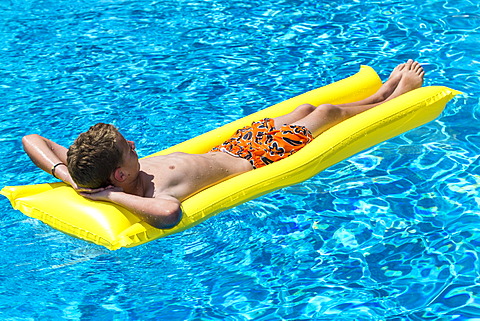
pixel 262 144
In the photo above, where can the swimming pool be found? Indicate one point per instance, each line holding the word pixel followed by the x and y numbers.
pixel 389 234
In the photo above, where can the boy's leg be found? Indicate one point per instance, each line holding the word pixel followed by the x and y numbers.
pixel 300 112
pixel 386 90
pixel 319 119
pixel 325 116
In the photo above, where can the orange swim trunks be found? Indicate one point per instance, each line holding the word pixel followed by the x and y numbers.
pixel 262 144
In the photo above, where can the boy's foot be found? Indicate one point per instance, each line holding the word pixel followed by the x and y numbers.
pixel 411 78
pixel 387 89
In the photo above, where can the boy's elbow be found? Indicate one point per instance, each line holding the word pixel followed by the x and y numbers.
pixel 168 220
pixel 27 140
pixel 173 218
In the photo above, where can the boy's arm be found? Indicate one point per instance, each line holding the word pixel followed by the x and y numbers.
pixel 161 212
pixel 47 154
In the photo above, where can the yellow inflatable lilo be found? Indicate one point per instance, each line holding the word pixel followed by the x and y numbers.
pixel 112 226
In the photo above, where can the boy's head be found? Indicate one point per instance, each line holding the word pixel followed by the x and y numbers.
pixel 94 156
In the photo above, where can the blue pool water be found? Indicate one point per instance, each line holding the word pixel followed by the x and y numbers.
pixel 389 234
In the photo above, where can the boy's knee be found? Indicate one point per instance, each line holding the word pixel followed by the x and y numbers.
pixel 306 108
pixel 331 111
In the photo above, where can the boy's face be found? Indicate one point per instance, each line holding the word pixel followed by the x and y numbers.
pixel 129 155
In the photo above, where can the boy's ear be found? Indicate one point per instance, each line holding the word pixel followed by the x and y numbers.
pixel 119 175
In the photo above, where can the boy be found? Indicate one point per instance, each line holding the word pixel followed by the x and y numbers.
pixel 102 165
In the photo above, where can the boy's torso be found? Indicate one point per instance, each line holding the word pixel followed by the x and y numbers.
pixel 182 175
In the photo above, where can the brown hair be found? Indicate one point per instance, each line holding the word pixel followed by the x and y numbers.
pixel 94 156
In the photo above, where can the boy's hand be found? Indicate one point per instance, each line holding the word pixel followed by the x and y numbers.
pixel 98 194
